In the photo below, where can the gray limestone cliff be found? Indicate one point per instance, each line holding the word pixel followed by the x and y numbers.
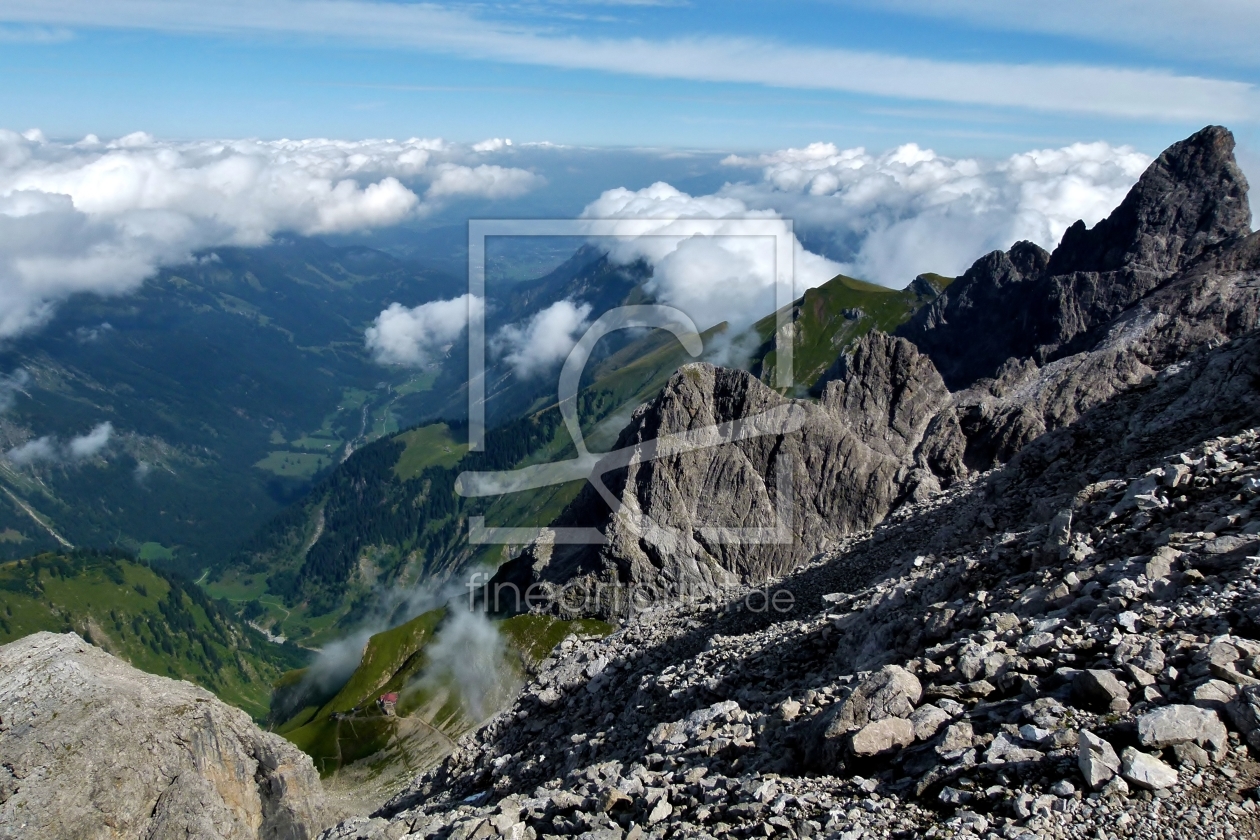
pixel 92 748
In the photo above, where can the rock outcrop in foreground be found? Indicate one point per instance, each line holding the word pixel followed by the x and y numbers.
pixel 92 748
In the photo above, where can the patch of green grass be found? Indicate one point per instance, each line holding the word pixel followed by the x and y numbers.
pixel 383 660
pixel 418 383
pixel 293 464
pixel 832 316
pixel 428 446
pixel 314 443
pixel 8 535
pixel 155 551
pixel 536 636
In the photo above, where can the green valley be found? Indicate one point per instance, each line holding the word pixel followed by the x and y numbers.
pixel 152 619
pixel 229 383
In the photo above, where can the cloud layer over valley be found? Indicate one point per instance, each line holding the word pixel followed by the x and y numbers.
pixel 880 217
pixel 889 217
pixel 101 217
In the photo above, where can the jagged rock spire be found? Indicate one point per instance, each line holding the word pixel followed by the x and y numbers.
pixel 1192 197
pixel 1027 304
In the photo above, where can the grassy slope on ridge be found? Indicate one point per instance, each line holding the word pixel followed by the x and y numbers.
pixel 156 622
pixel 832 316
pixel 348 726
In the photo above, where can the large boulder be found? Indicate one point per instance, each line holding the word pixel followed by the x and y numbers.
pixel 890 692
pixel 1097 759
pixel 92 748
pixel 1172 725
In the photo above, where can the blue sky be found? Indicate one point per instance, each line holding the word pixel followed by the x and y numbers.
pixel 965 76
pixel 899 136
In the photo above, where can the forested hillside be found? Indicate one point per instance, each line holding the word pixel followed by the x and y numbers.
pixel 150 618
pixel 228 385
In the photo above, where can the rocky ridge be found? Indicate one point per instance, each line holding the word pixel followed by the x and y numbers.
pixel 1064 644
pixel 1174 269
pixel 93 748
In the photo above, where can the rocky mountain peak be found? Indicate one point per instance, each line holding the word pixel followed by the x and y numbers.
pixel 886 391
pixel 1192 197
pixel 1027 304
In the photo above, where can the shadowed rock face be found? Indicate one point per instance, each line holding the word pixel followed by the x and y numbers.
pixel 92 748
pixel 852 459
pixel 1029 304
pixel 1030 342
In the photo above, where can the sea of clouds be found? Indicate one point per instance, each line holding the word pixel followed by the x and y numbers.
pixel 100 217
pixel 881 217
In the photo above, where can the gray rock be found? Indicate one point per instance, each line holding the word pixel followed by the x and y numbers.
pixel 1100 690
pixel 1146 771
pixel 1171 725
pixel 1097 759
pixel 883 736
pixel 107 751
pixel 958 736
pixel 1244 713
pixel 1214 694
pixel 928 720
pixel 892 691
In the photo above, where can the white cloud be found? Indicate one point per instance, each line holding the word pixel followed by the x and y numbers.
pixel 417 336
pixel 91 444
pixel 724 277
pixel 1211 29
pixel 33 451
pixel 494 144
pixel 890 217
pixel 47 448
pixel 484 180
pixel 10 386
pixel 544 340
pixel 100 217
pixel 1136 93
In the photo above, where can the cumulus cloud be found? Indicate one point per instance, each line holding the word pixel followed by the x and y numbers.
pixel 891 216
pixel 49 449
pixel 494 144
pixel 727 276
pixel 484 180
pixel 417 336
pixel 99 217
pixel 544 340
pixel 91 444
